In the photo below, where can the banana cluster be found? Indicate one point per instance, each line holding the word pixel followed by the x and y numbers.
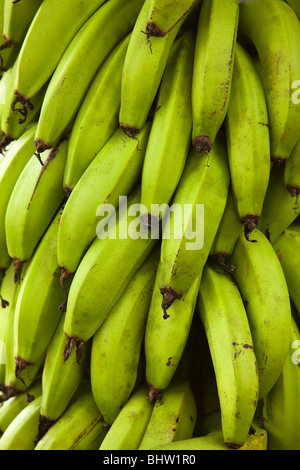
pixel 149 229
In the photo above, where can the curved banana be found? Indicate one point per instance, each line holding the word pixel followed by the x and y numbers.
pixel 213 66
pixel 16 20
pixel 273 26
pixel 14 405
pixel 280 208
pixel 79 428
pixel 182 260
pixel 169 148
pixel 127 430
pixel 165 341
pixel 16 158
pixel 113 173
pixel 67 88
pixel 229 230
pixel 173 417
pixel 291 174
pixel 35 199
pixel 44 45
pixel 60 380
pixel 225 321
pixel 248 140
pixel 21 433
pixel 35 323
pixel 105 271
pixel 116 346
pixel 98 116
pixel 260 279
pixel 281 410
pixel 150 57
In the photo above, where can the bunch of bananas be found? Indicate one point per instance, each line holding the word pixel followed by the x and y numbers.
pixel 149 229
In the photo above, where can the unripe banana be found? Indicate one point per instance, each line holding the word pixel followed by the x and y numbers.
pixel 169 148
pixel 129 427
pixel 295 6
pixel 260 279
pixel 181 261
pixel 248 140
pixel 98 116
pixel 105 271
pixel 36 197
pixel 213 66
pixel 173 417
pixel 67 88
pixel 224 318
pixel 116 346
pixel 292 172
pixel 148 57
pixel 272 26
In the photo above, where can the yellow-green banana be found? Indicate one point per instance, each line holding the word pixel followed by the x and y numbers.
pixel 146 58
pixel 21 433
pixel 225 321
pixel 91 45
pixel 14 405
pixel 127 430
pixel 104 272
pixel 260 279
pixel 281 408
pixel 280 209
pixel 60 380
pixel 7 292
pixel 116 346
pixel 248 140
pixel 16 158
pixel 36 197
pixel 79 428
pixel 45 43
pixel 35 322
pixel 213 66
pixel 295 6
pixel 98 116
pixel 113 173
pixel 273 27
pixel 229 230
pixel 170 135
pixel 291 174
pixel 182 259
pixel 173 417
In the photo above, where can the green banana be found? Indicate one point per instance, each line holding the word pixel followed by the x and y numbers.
pixel 92 44
pixel 44 44
pixel 116 346
pixel 291 174
pixel 272 26
pixel 228 232
pixel 60 380
pixel 224 318
pixel 36 197
pixel 79 428
pixel 260 279
pixel 169 148
pixel 127 430
pixel 182 261
pixel 173 417
pixel 7 292
pixel 21 433
pixel 16 158
pixel 280 209
pixel 98 116
pixel 281 405
pixel 165 342
pixel 213 67
pixel 295 6
pixel 113 173
pixel 248 140
pixel 14 405
pixel 150 57
pixel 287 248
pixel 16 20
pixel 105 271
pixel 35 323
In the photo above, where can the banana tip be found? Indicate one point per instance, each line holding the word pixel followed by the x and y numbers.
pixel 129 130
pixel 202 143
pixel 169 297
pixel 250 222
